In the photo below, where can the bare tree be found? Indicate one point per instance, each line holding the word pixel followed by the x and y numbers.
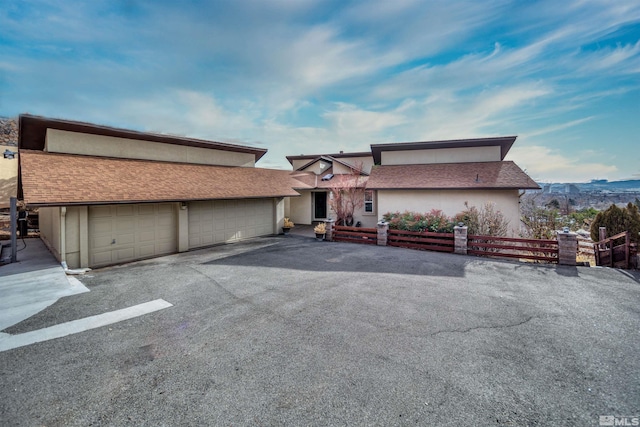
pixel 347 194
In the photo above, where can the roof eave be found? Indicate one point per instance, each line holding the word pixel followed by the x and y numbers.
pixel 128 202
pixel 32 131
pixel 505 143
pixel 455 188
pixel 290 159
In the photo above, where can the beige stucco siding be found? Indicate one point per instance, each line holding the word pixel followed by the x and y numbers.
pixel 366 162
pixel 318 167
pixel 368 219
pixel 59 141
pixel 75 233
pixel 49 224
pixel 296 164
pixel 72 237
pixel 451 202
pixel 441 155
pixel 300 208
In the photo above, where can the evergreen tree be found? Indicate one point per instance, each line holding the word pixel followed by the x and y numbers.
pixel 617 220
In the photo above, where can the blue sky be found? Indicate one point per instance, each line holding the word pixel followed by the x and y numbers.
pixel 307 77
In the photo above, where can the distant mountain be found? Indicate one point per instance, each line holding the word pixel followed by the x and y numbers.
pixel 596 185
pixel 8 131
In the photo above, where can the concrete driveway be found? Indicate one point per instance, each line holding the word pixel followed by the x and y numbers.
pixel 290 331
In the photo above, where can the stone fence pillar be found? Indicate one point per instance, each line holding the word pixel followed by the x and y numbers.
pixel 567 248
pixel 383 231
pixel 328 234
pixel 460 239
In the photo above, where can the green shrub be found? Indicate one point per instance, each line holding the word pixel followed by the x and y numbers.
pixel 435 221
pixel 617 220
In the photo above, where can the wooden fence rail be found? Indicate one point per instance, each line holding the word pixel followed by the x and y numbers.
pixel 585 246
pixel 510 247
pixel 425 240
pixel 367 236
pixel 608 254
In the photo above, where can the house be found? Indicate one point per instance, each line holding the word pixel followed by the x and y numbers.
pixel 108 195
pixel 317 175
pixel 415 176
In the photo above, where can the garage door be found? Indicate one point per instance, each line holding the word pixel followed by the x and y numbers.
pixel 223 221
pixel 122 233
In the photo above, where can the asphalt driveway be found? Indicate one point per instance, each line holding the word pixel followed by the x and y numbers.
pixel 290 331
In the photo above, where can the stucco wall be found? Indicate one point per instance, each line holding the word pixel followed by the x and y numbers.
pixel 441 155
pixel 366 162
pixel 72 237
pixel 300 211
pixel 49 224
pixel 318 167
pixel 59 141
pixel 279 205
pixel 368 219
pixel 451 202
pixel 300 208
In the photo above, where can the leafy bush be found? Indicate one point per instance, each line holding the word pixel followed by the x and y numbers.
pixel 435 221
pixel 617 220
pixel 486 221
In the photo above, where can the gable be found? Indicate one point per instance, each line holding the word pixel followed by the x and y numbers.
pixel 318 166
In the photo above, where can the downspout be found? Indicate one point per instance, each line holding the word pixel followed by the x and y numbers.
pixel 63 245
pixel 63 237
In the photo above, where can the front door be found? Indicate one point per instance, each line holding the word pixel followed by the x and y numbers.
pixel 319 205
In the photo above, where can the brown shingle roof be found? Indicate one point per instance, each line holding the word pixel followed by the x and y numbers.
pixel 451 176
pixel 62 179
pixel 312 157
pixel 304 180
pixel 310 181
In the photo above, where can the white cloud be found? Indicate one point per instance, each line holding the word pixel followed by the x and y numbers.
pixel 624 58
pixel 348 120
pixel 184 112
pixel 544 164
pixel 555 128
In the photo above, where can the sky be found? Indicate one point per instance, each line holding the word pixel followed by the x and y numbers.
pixel 313 77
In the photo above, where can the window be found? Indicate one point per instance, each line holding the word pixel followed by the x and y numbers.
pixel 368 201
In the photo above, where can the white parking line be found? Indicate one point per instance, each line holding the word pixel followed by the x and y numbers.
pixel 8 342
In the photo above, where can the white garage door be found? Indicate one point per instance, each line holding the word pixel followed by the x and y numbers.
pixel 223 221
pixel 122 233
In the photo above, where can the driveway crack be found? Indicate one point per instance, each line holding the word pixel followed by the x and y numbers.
pixel 475 328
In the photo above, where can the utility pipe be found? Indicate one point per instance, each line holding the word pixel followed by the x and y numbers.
pixel 63 236
pixel 14 229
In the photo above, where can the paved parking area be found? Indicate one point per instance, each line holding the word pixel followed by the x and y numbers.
pixel 290 331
